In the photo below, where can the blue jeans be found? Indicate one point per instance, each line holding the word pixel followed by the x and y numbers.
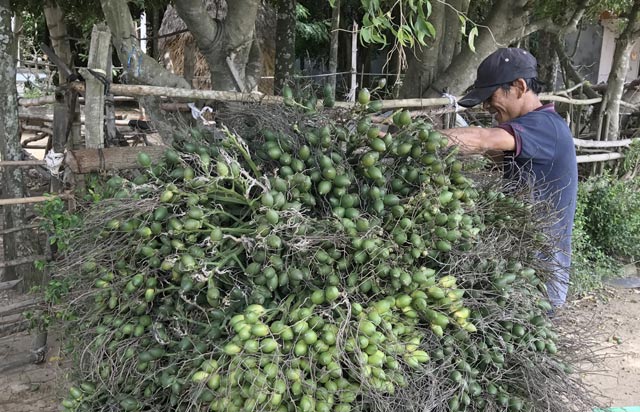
pixel 558 285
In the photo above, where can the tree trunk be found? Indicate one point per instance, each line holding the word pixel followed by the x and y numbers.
pixel 229 47
pixel 507 21
pixel 285 44
pixel 333 48
pixel 22 243
pixel 452 32
pixel 54 17
pixel 424 61
pixel 547 59
pixel 139 67
pixel 567 66
pixel 57 27
pixel 156 20
pixel 610 107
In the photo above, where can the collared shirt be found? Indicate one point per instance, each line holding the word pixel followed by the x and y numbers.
pixel 545 159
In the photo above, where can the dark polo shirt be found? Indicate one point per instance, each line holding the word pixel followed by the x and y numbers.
pixel 545 159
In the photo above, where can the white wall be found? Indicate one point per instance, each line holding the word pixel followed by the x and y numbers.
pixel 607 50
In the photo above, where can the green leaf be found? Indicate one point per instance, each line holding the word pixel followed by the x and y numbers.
pixel 472 36
pixel 366 20
pixel 463 23
pixel 379 38
pixel 430 28
pixel 423 28
pixel 365 35
pixel 407 34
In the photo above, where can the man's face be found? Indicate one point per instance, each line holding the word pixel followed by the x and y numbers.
pixel 503 105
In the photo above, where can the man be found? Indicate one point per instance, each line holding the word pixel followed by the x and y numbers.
pixel 535 142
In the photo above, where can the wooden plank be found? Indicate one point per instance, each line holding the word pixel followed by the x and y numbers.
pixel 600 144
pixel 11 329
pixel 51 99
pixel 11 319
pixel 112 158
pixel 17 229
pixel 22 260
pixel 19 306
pixel 26 200
pixel 10 284
pixel 95 76
pixel 600 157
pixel 38 101
pixel 22 163
pixel 135 90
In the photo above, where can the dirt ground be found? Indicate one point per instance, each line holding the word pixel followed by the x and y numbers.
pixel 610 322
pixel 26 387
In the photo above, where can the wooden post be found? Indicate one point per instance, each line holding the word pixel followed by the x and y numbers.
pixel 333 48
pixel 110 108
pixel 143 32
pixel 354 61
pixel 95 76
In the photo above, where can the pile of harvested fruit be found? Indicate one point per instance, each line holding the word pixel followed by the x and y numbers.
pixel 324 266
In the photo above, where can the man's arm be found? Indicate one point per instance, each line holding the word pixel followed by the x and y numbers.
pixel 480 140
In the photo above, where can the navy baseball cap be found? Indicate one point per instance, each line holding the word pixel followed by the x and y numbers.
pixel 502 66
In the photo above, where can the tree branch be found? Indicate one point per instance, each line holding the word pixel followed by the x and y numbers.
pixel 207 31
pixel 572 18
pixel 254 66
pixel 138 65
pixel 569 69
pixel 241 21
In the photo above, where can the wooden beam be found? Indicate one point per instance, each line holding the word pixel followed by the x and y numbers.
pixel 51 99
pixel 11 319
pixel 18 229
pixel 38 129
pixel 135 90
pixel 11 329
pixel 96 79
pixel 600 157
pixel 34 199
pixel 20 261
pixel 19 306
pixel 600 143
pixel 22 163
pixel 10 284
pixel 112 158
pixel 38 101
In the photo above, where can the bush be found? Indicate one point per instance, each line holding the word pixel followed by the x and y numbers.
pixel 612 216
pixel 590 264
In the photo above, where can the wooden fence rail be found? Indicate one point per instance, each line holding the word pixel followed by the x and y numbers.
pixel 179 94
pixel 21 261
pixel 33 199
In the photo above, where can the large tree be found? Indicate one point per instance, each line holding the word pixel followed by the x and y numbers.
pixel 610 108
pixel 19 244
pixel 285 43
pixel 229 46
pixel 441 65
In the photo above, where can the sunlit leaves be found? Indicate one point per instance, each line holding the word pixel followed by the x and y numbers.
pixel 406 20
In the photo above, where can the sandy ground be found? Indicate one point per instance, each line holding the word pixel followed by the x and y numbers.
pixel 610 322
